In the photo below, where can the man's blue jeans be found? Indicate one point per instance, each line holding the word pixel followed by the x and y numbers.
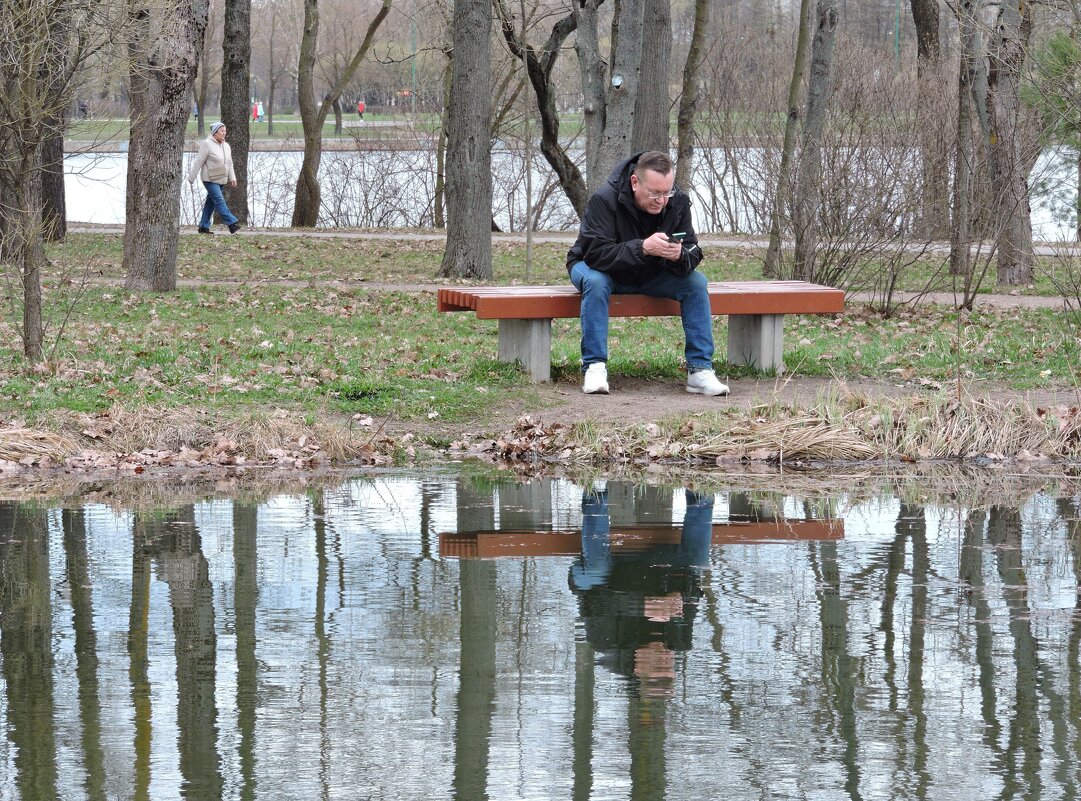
pixel 215 200
pixel 691 291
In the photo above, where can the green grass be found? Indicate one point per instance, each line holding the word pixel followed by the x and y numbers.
pixel 305 346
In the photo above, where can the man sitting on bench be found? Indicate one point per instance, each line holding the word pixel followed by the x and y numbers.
pixel 636 238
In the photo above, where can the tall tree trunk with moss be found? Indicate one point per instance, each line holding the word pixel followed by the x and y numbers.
pixel 688 99
pixel 163 68
pixel 788 147
pixel 651 130
pixel 235 96
pixel 819 91
pixel 594 71
pixel 469 153
pixel 1009 140
pixel 313 115
pixel 624 83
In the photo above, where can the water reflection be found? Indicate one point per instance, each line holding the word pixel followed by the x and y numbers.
pixel 437 636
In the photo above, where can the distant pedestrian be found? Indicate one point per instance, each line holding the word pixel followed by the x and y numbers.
pixel 360 108
pixel 214 166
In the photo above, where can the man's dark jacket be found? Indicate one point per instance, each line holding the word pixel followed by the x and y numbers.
pixel 612 230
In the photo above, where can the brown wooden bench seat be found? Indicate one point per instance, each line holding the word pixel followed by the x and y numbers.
pixel 755 312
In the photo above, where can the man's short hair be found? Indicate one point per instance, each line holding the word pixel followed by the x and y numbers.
pixel 653 160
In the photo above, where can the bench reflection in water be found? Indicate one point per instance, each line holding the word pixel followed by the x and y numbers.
pixel 639 584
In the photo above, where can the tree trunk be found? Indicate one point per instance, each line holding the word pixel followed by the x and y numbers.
pixel 202 85
pixel 928 46
pixel 623 85
pixel 819 90
pixel 53 199
pixel 788 147
pixel 652 107
pixel 540 76
pixel 306 205
pixel 235 96
pixel 469 152
pixel 688 99
pixel 1077 208
pixel 934 157
pixel 961 228
pixel 337 107
pixel 28 248
pixel 1009 173
pixel 162 73
pixel 593 70
pixel 439 199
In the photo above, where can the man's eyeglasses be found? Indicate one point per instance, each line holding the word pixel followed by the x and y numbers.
pixel 671 193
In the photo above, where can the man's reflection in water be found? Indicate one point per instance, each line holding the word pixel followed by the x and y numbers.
pixel 638 603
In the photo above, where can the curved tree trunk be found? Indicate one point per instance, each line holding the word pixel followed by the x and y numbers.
pixel 312 116
pixel 819 90
pixel 235 94
pixel 469 152
pixel 540 76
pixel 688 99
pixel 162 73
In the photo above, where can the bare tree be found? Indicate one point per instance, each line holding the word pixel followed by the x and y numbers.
pixel 43 44
pixel 235 95
pixel 208 68
pixel 688 98
pixel 539 68
pixel 819 89
pixel 1011 157
pixel 964 153
pixel 788 147
pixel 306 206
pixel 469 154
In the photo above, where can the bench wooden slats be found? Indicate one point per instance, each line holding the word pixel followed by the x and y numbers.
pixel 755 312
pixel 725 297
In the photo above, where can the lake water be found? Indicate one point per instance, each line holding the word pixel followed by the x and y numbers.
pixel 396 189
pixel 431 636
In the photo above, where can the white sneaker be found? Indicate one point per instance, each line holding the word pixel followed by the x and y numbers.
pixel 704 382
pixel 596 379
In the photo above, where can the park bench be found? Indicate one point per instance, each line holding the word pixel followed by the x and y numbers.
pixel 755 310
pixel 624 539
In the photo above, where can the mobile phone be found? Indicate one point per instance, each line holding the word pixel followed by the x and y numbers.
pixel 677 238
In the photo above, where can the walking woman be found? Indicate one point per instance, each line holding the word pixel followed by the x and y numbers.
pixel 214 166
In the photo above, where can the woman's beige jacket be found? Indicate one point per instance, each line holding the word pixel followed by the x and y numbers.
pixel 213 162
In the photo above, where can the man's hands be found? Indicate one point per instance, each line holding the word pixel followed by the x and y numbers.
pixel 658 245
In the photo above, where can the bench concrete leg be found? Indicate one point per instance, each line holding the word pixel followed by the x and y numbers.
pixel 757 340
pixel 528 342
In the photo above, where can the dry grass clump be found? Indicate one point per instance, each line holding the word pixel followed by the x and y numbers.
pixel 840 428
pixel 29 446
pixel 203 436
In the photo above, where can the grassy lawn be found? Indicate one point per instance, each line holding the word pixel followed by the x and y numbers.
pixel 352 349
